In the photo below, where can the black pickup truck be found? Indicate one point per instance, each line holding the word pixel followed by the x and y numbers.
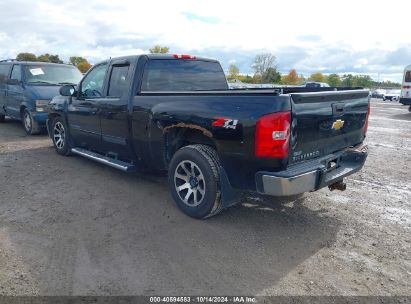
pixel 175 113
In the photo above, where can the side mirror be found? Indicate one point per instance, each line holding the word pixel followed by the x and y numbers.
pixel 13 81
pixel 67 90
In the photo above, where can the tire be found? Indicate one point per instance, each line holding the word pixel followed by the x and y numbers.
pixel 30 125
pixel 2 118
pixel 195 168
pixel 60 137
pixel 409 109
pixel 383 99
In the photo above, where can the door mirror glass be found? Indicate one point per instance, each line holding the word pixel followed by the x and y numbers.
pixel 67 90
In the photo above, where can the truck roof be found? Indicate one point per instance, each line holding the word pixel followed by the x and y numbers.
pixel 160 56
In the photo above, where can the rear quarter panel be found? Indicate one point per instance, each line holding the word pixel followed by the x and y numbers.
pixel 154 115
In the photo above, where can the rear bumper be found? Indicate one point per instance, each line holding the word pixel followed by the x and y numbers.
pixel 313 175
pixel 405 101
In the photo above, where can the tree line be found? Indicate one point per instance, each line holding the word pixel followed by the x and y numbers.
pixel 80 62
pixel 264 66
pixel 265 71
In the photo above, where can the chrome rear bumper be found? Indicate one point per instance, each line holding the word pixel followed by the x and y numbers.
pixel 313 175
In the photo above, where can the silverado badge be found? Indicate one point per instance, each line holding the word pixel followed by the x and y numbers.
pixel 338 124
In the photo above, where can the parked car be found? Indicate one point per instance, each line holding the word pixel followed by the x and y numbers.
pixel 405 97
pixel 176 113
pixel 314 84
pixel 27 87
pixel 378 93
pixel 392 95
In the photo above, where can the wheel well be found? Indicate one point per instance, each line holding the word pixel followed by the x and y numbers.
pixel 181 137
pixel 22 108
pixel 51 117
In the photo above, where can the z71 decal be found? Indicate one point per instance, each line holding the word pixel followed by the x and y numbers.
pixel 226 123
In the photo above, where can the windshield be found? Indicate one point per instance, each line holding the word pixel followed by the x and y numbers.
pixel 52 74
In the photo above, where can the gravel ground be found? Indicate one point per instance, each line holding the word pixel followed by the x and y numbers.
pixel 69 226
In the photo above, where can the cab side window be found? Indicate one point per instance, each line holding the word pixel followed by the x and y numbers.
pixel 16 72
pixel 92 84
pixel 118 80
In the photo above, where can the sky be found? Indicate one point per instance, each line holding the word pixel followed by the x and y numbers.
pixel 360 37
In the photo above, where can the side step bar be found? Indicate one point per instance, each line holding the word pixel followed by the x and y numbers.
pixel 118 164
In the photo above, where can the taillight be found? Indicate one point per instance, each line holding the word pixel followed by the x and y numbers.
pixel 272 135
pixel 184 56
pixel 366 120
pixel 406 87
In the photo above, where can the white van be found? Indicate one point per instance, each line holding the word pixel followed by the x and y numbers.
pixel 405 97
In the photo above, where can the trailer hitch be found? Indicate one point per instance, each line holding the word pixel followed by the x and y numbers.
pixel 340 185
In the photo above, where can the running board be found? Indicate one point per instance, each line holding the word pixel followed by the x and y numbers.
pixel 118 164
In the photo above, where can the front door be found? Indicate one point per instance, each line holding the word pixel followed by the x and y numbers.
pixel 84 112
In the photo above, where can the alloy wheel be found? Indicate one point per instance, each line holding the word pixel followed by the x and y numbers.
pixel 189 183
pixel 59 135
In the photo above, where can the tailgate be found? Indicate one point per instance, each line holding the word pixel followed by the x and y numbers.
pixel 325 122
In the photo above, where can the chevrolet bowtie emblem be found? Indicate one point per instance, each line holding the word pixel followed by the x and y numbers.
pixel 338 124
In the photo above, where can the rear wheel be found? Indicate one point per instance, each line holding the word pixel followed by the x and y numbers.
pixel 30 125
pixel 2 118
pixel 60 136
pixel 409 109
pixel 194 181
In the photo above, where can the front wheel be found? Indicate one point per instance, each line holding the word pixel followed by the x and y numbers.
pixel 409 109
pixel 194 181
pixel 30 125
pixel 60 136
pixel 2 118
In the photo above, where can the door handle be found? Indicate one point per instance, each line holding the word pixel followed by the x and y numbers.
pixel 338 108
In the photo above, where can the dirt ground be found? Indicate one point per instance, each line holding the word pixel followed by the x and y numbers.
pixel 69 226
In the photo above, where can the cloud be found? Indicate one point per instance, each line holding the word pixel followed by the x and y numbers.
pixel 308 37
pixel 314 38
pixel 399 57
pixel 206 19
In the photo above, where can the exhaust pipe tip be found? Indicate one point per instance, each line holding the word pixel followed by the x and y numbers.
pixel 340 185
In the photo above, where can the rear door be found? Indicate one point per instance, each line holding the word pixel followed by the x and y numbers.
pixel 326 122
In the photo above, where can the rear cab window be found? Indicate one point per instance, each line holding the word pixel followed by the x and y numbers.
pixel 183 75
